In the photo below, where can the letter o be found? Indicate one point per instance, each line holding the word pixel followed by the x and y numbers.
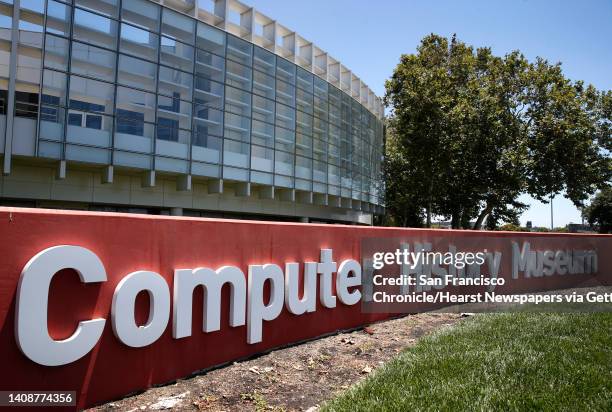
pixel 124 300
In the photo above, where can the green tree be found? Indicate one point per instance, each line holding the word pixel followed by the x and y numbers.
pixel 477 130
pixel 599 212
pixel 404 181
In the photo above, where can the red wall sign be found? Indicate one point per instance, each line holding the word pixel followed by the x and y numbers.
pixel 99 303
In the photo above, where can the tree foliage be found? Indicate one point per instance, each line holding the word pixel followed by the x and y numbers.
pixel 470 132
pixel 599 212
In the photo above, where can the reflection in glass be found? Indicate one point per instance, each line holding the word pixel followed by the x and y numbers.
pixel 142 13
pixel 137 73
pixel 94 29
pixel 138 42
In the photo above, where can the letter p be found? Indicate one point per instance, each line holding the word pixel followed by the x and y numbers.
pixel 257 311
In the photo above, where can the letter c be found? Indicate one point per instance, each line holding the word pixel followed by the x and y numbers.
pixel 31 331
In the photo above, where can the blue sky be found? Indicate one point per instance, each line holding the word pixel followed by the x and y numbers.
pixel 369 36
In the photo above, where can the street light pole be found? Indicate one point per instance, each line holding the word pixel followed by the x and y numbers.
pixel 551 212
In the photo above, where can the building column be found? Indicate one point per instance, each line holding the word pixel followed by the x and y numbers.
pixel 10 97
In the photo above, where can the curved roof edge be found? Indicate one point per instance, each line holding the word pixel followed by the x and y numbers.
pixel 245 22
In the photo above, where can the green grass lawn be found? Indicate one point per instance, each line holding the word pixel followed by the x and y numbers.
pixel 502 362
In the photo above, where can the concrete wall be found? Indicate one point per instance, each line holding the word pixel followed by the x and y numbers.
pixel 85 186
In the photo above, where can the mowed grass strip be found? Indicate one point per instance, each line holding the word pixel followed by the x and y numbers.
pixel 497 362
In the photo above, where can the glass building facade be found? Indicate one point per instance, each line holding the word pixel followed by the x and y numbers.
pixel 136 85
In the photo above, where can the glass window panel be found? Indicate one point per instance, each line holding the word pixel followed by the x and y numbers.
pixel 88 128
pixel 175 83
pixel 237 127
pixel 320 107
pixel 175 109
pixel 93 121
pixel 58 18
pixel 211 39
pixel 303 145
pixel 239 50
pixel 210 65
pixel 334 134
pixel 237 101
pixel 202 138
pixel 285 116
pixel 285 70
pixel 56 52
pixel 320 87
pixel 5 57
pixel 304 80
pixel 6 16
pixel 85 106
pixel 333 174
pixel 176 54
pixel 345 150
pixel 319 148
pixel 138 42
pixel 262 158
pixel 303 101
pixel 136 72
pixel 208 93
pixel 304 123
pixel 31 20
pixel 108 7
pixel 334 114
pixel 303 167
pixel 233 146
pixel 32 5
pixel 26 104
pixel 29 63
pixel 208 121
pixel 263 109
pixel 334 96
pixel 284 139
pixel 131 123
pixel 90 120
pixel 168 129
pixel 91 95
pixel 177 26
pixel 52 120
pixel 135 105
pixel 264 61
pixel 142 13
pixel 262 134
pixel 320 113
pixel 320 127
pixel 93 61
pixel 285 93
pixel 54 88
pixel 319 171
pixel 263 84
pixel 320 166
pixel 95 29
pixel 238 75
pixel 283 163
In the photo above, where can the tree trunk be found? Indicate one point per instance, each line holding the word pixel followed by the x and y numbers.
pixel 429 203
pixel 465 221
pixel 456 220
pixel 485 212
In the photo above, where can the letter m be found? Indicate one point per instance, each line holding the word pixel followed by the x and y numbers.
pixel 186 280
pixel 520 258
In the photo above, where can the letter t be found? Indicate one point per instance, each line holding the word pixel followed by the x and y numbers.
pixel 325 269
